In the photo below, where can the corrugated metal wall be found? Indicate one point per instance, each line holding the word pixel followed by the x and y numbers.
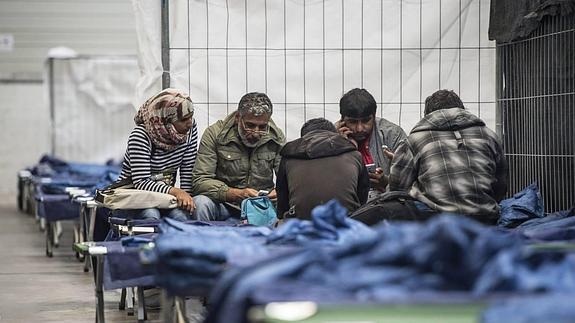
pixel 91 27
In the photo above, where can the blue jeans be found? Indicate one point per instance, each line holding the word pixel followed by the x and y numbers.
pixel 208 210
pixel 153 214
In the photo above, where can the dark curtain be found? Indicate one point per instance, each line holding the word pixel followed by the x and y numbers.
pixel 515 19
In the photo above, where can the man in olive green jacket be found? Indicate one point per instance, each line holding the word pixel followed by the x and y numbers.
pixel 237 158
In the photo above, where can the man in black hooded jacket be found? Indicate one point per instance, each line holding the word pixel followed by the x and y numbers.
pixel 320 166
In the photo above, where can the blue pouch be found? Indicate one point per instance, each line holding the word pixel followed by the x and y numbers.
pixel 259 211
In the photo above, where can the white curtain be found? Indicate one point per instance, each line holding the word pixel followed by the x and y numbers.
pixel 306 54
pixel 92 106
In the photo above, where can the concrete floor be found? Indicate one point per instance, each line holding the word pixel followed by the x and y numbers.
pixel 35 288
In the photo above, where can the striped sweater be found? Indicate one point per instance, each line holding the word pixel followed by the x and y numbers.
pixel 141 161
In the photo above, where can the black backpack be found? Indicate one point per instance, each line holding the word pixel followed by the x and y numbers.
pixel 396 205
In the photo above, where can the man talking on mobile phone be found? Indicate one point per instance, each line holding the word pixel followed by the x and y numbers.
pixel 376 138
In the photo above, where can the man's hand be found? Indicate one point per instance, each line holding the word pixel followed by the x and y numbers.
pixel 238 194
pixel 345 131
pixel 342 128
pixel 378 180
pixel 388 153
pixel 273 195
pixel 185 201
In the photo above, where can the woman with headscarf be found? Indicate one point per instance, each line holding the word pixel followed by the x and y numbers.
pixel 163 142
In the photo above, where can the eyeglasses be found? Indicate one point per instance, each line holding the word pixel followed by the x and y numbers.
pixel 254 128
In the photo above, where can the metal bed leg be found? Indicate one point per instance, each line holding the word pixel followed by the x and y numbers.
pixel 49 239
pixel 42 223
pixel 130 301
pixel 90 233
pixel 29 198
pixel 122 305
pixel 77 239
pixel 30 208
pixel 142 315
pixel 99 270
pixel 33 203
pixel 79 230
pixel 26 197
pixel 81 225
pixel 92 214
pixel 180 310
pixel 87 264
pixel 57 233
pixel 167 311
pixel 82 228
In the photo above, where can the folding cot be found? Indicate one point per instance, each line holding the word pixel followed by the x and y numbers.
pixel 47 188
pixel 133 274
pixel 117 264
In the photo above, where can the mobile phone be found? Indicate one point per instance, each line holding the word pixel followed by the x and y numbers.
pixel 263 193
pixel 370 168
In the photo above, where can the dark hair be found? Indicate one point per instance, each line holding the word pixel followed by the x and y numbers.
pixel 317 124
pixel 255 103
pixel 357 103
pixel 442 99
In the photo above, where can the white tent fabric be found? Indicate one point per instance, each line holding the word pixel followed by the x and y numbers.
pixel 91 106
pixel 306 54
pixel 148 27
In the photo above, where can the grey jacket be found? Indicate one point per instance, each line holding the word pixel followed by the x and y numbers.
pixel 386 133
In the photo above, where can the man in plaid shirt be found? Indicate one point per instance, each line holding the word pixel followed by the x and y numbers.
pixel 451 162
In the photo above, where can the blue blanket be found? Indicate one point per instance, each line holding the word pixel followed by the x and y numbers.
pixel 449 253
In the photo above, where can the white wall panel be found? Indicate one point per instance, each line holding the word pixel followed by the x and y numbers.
pixel 24 129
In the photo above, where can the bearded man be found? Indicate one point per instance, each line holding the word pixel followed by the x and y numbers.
pixel 237 158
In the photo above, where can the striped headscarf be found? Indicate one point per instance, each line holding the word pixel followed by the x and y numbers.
pixel 159 112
